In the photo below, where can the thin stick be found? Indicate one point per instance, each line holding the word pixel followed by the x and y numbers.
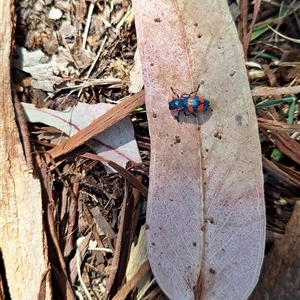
pixel 268 91
pixel 24 132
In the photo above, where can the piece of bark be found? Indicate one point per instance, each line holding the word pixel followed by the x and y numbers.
pixel 280 275
pixel 22 240
pixel 286 145
pixel 132 283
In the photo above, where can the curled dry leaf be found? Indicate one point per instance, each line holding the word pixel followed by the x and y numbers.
pixel 205 216
pixel 116 143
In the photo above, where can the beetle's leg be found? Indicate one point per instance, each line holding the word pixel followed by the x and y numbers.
pixel 177 117
pixel 190 113
pixel 175 93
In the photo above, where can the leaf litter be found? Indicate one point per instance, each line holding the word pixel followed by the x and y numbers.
pixel 67 41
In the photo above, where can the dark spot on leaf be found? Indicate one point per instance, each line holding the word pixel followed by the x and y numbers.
pixel 199 36
pixel 194 244
pixel 154 115
pixel 217 135
pixel 210 220
pixel 147 226
pixel 239 119
pixel 157 20
pixel 177 139
pixel 212 271
pixel 196 24
pixel 232 73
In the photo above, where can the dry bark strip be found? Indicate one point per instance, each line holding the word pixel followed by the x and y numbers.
pixel 280 174
pixel 268 91
pixel 22 241
pixel 286 145
pixel 131 284
pixel 275 125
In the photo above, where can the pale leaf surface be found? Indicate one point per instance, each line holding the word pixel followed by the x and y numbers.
pixel 205 206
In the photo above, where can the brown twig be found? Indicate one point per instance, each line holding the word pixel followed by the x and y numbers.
pixel 130 178
pixel 268 91
pixel 248 36
pixel 128 287
pixel 96 215
pixel 118 247
pixel 89 218
pixel 242 25
pixel 72 219
pixel 24 132
pixel 59 271
pixel 271 76
pixel 286 145
pixel 280 174
pixel 275 125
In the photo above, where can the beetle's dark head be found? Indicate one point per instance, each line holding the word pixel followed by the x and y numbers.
pixel 176 105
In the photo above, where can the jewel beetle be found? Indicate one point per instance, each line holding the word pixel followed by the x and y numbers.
pixel 191 103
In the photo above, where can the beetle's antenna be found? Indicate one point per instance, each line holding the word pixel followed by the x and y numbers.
pixel 175 93
pixel 196 90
